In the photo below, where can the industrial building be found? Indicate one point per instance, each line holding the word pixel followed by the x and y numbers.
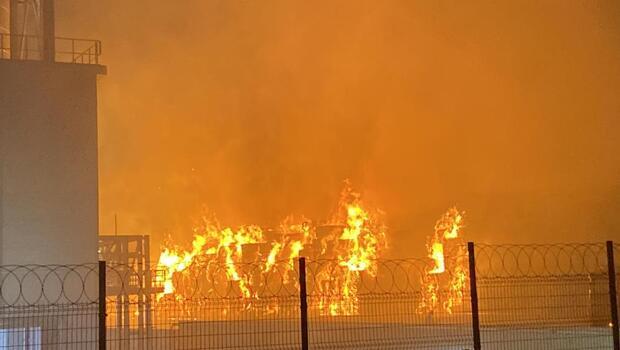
pixel 48 139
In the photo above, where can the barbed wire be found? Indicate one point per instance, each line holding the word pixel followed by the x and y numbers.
pixel 381 276
pixel 67 284
pixel 540 260
pixel 48 284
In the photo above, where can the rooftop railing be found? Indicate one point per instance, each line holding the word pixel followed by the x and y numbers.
pixel 67 50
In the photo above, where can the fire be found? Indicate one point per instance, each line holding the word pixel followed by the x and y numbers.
pixel 457 282
pixel 445 239
pixel 438 258
pixel 289 249
pixel 358 256
pixel 296 247
pixel 354 245
pixel 271 258
pixel 361 242
pixel 212 242
pixel 353 242
pixel 450 224
pixel 173 261
pixel 364 234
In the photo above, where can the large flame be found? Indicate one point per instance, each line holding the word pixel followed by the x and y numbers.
pixel 360 243
pixel 212 241
pixel 356 239
pixel 354 245
pixel 174 261
pixel 447 254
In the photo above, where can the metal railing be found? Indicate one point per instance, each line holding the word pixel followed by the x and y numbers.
pixel 67 50
pixel 514 297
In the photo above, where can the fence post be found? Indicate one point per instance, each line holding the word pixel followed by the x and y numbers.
pixel 613 299
pixel 102 305
pixel 475 319
pixel 303 298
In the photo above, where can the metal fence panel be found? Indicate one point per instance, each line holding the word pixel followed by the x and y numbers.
pixel 529 297
pixel 48 307
pixel 387 309
pixel 209 309
pixel 543 296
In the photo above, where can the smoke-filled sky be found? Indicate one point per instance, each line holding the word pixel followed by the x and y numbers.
pixel 257 109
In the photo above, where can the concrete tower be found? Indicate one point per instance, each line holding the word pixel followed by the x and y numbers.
pixel 48 139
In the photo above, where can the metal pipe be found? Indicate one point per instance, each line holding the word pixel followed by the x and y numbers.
pixel 14 30
pixel 49 30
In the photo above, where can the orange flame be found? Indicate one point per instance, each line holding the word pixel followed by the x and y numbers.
pixel 271 258
pixel 438 258
pixel 362 240
pixel 450 224
pixel 173 261
pixel 216 240
pixel 355 246
pixel 447 235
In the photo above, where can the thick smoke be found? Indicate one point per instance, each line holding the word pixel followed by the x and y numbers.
pixel 259 109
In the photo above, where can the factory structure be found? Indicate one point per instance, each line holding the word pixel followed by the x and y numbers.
pixel 49 217
pixel 48 139
pixel 49 180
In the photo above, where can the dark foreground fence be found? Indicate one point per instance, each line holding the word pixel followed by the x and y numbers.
pixel 49 307
pixel 559 296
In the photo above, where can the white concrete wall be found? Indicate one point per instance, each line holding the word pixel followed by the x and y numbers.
pixel 48 163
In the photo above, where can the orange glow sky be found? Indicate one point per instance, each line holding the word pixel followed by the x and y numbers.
pixel 257 109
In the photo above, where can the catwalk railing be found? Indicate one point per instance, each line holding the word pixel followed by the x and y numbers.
pixel 65 50
pixel 520 297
